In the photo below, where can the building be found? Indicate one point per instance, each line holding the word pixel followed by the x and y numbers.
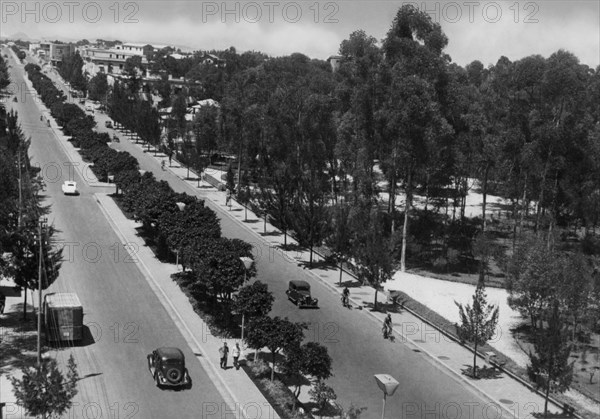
pixel 52 52
pixel 59 51
pixel 109 61
pixel 334 62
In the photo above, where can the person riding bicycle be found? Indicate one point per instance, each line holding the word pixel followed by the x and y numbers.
pixel 387 326
pixel 345 296
pixel 162 165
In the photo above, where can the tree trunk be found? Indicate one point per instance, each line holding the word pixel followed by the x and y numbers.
pixel 475 360
pixel 483 260
pixel 405 227
pixel 272 365
pixel 542 190
pixel 484 193
pixel 25 304
pixel 375 300
pixel 239 169
pixel 546 397
pixel 341 271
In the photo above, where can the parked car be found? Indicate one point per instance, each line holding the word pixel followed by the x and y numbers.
pixel 69 187
pixel 298 292
pixel 88 108
pixel 167 366
pixel 108 124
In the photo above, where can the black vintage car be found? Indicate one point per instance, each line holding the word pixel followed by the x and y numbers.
pixel 298 292
pixel 167 366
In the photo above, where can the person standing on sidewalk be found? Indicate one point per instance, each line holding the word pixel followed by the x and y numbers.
pixel 223 352
pixel 236 356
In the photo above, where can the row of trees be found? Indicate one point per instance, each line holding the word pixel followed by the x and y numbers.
pixel 317 144
pixel 182 224
pixel 74 122
pixel 42 390
pixel 22 212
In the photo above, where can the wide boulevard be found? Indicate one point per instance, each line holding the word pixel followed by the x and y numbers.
pixel 124 319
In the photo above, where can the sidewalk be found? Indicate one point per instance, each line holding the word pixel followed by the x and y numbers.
pixel 237 389
pixel 75 158
pixel 514 397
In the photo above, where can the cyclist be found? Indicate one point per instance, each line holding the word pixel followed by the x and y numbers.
pixel 162 164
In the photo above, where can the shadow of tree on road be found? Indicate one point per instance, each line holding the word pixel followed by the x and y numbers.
pixel 18 340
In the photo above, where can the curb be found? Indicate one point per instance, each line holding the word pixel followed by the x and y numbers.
pixel 229 397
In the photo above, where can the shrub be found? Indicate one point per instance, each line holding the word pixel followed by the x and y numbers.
pixel 259 368
pixel 279 393
pixel 322 394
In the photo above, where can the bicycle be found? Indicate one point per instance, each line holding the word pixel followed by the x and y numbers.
pixel 162 165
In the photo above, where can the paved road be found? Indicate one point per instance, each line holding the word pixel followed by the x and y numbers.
pixel 124 318
pixel 354 341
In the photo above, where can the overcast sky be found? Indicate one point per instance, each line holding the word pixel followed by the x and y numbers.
pixel 477 30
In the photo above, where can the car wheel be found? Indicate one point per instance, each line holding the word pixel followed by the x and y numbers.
pixel 173 375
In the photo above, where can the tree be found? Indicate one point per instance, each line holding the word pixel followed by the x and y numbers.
pixel 310 219
pixel 339 239
pixel 533 276
pixel 478 321
pixel 230 182
pixel 321 394
pixel 276 194
pixel 372 248
pixel 550 369
pixel 276 334
pixel 575 289
pixel 309 359
pixel 217 266
pixel 132 69
pixel 253 300
pixel 45 391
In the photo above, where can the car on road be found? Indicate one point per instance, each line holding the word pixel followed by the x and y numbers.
pixel 69 187
pixel 88 108
pixel 167 366
pixel 298 292
pixel 108 124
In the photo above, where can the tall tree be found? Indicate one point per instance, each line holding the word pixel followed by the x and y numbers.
pixel 478 321
pixel 549 366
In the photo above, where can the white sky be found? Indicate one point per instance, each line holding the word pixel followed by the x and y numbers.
pixel 483 30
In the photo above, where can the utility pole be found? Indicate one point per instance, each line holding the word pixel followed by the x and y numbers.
pixel 41 231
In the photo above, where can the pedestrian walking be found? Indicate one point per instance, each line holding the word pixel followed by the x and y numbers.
pixel 223 352
pixel 387 326
pixel 236 356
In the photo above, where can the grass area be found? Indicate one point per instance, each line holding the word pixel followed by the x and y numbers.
pixel 579 383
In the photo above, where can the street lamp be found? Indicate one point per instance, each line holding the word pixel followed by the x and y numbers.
pixel 181 207
pixel 41 233
pixel 247 265
pixel 388 385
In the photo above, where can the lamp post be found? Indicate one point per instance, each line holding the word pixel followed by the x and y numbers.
pixel 181 207
pixel 247 265
pixel 41 232
pixel 388 385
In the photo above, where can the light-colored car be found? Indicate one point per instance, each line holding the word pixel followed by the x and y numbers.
pixel 69 187
pixel 89 108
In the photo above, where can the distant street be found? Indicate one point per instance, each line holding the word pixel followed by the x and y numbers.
pixel 125 319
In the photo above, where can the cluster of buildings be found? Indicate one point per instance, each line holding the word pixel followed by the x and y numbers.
pixel 100 58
